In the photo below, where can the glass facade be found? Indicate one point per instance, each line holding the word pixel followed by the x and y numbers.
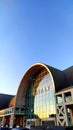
pixel 40 100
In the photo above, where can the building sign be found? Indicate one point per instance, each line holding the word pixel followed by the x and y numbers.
pixel 41 90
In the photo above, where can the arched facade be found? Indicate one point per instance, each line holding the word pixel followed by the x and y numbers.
pixel 31 74
pixel 35 102
pixel 36 93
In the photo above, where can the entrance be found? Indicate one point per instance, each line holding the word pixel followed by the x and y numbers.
pixel 18 120
pixel 48 122
pixel 70 115
pixel 32 122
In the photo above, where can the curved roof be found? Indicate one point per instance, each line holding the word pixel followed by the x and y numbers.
pixel 12 101
pixel 57 76
pixel 5 100
pixel 60 79
pixel 69 75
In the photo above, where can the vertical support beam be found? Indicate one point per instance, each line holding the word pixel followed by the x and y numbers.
pixel 72 94
pixel 11 121
pixel 24 122
pixel 65 111
pixel 31 100
pixel 71 115
pixel 3 121
pixel 61 109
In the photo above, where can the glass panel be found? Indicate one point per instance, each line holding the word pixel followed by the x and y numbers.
pixel 68 97
pixel 40 100
pixel 16 110
pixel 59 99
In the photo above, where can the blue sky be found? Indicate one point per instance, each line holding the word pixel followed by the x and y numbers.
pixel 33 31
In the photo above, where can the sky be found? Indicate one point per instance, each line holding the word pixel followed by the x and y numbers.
pixel 33 31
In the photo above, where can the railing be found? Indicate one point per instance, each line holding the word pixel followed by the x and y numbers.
pixel 7 111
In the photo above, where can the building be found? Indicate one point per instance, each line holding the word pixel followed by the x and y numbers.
pixel 44 97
